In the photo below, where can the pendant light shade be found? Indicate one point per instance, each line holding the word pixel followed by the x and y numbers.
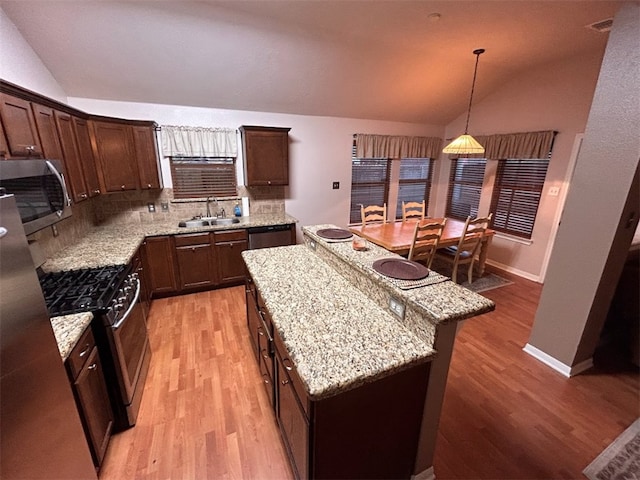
pixel 466 144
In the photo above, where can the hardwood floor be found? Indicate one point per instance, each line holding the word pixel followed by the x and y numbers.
pixel 205 413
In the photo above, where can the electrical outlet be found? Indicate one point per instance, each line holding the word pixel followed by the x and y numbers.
pixel 312 244
pixel 336 185
pixel 164 206
pixel 151 207
pixel 396 307
pixel 554 191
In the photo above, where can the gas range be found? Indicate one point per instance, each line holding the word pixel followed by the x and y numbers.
pixel 103 289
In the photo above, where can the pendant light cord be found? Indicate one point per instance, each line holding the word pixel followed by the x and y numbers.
pixel 477 53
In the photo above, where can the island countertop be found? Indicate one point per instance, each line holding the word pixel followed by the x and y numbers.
pixel 337 338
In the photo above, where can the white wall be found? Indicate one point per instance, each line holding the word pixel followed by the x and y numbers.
pixel 554 97
pixel 319 153
pixel 19 64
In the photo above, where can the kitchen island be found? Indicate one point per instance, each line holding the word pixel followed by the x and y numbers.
pixel 331 319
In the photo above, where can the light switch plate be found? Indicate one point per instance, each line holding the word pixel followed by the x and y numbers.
pixel 164 206
pixel 151 207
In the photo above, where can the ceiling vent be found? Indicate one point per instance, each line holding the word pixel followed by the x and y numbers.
pixel 602 26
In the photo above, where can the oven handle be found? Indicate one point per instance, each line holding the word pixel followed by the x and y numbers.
pixel 131 306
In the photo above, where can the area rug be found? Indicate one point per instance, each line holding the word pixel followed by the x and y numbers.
pixel 488 281
pixel 620 460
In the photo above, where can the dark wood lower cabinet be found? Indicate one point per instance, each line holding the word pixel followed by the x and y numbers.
pixel 159 265
pixel 370 431
pixel 229 248
pixel 195 259
pixel 90 391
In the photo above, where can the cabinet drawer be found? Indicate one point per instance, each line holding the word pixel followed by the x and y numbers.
pixel 229 236
pixel 191 239
pixel 80 353
pixel 291 374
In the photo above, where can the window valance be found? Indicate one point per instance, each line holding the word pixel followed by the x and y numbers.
pixel 198 141
pixel 395 146
pixel 515 145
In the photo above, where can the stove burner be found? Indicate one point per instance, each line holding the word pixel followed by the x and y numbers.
pixel 84 290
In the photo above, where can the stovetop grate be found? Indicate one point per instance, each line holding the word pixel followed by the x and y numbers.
pixel 83 290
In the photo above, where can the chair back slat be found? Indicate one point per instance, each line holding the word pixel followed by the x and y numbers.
pixel 426 238
pixel 373 213
pixel 413 211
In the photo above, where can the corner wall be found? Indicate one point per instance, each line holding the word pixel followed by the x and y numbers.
pixel 601 211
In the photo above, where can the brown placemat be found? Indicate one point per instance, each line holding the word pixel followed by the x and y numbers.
pixel 400 269
pixel 334 233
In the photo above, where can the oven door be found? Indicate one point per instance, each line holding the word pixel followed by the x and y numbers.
pixel 131 351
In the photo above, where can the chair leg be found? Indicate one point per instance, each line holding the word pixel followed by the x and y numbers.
pixel 454 273
pixel 470 273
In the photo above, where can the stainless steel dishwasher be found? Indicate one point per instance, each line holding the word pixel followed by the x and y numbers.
pixel 271 236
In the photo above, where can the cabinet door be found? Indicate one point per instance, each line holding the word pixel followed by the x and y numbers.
pixel 144 142
pixel 230 263
pixel 194 266
pixel 20 127
pixel 158 267
pixel 293 423
pixel 71 156
pixel 93 397
pixel 83 138
pixel 114 151
pixel 266 155
pixel 46 125
pixel 4 148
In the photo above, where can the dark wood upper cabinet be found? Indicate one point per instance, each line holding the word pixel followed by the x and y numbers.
pixel 83 138
pixel 113 146
pixel 47 132
pixel 20 127
pixel 71 156
pixel 266 155
pixel 144 143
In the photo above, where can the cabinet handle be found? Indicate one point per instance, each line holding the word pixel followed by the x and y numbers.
pixel 85 351
pixel 93 366
pixel 83 195
pixel 289 366
pixel 96 191
pixel 284 382
pixel 123 187
pixel 266 380
pixel 30 149
pixel 148 185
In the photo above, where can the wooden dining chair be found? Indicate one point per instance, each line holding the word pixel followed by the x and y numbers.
pixel 413 211
pixel 426 237
pixel 373 213
pixel 468 248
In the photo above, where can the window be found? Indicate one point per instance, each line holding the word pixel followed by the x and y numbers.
pixel 369 184
pixel 415 182
pixel 465 186
pixel 516 195
pixel 197 177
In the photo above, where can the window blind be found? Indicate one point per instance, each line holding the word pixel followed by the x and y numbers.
pixel 414 183
pixel 197 177
pixel 369 184
pixel 465 186
pixel 516 195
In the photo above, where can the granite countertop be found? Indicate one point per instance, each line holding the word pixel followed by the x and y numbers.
pixel 336 336
pixel 68 329
pixel 115 244
pixel 444 301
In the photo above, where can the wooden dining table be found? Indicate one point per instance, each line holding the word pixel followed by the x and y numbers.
pixel 397 236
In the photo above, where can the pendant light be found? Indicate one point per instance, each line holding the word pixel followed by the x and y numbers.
pixel 466 144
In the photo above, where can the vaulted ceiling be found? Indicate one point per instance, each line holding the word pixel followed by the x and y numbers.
pixel 386 60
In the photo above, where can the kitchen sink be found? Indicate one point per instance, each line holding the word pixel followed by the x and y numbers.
pixel 207 221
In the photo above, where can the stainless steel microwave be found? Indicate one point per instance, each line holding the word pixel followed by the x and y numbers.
pixel 39 189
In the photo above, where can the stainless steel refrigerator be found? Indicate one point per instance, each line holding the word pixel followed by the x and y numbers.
pixel 41 435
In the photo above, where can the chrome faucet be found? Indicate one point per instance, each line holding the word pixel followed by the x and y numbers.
pixel 208 208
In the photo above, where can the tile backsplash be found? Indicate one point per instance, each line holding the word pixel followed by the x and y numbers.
pixel 132 207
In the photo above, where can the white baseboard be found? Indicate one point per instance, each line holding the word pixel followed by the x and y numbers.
pixel 427 474
pixel 557 365
pixel 515 271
